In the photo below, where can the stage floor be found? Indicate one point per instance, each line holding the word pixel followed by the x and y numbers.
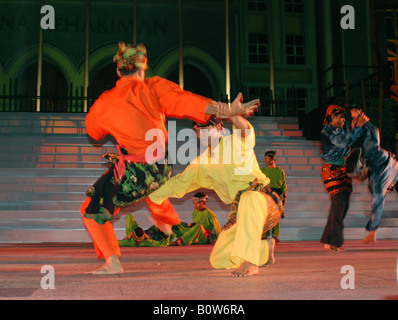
pixel 303 271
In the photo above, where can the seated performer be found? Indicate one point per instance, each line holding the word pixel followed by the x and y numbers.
pixel 383 171
pixel 205 227
pixel 230 168
pixel 127 112
pixel 277 184
pixel 138 237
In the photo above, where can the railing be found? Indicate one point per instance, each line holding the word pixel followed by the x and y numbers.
pixel 281 106
pixel 366 87
pixel 369 93
pixel 285 104
pixel 24 103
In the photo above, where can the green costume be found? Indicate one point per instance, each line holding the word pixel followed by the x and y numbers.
pixel 277 184
pixel 205 228
pixel 137 237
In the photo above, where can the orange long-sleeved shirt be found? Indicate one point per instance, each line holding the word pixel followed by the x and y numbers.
pixel 133 107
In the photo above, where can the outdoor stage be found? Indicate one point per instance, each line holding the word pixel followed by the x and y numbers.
pixel 303 271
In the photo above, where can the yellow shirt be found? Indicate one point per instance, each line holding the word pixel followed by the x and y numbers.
pixel 227 169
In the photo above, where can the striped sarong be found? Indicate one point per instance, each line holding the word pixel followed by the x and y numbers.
pixel 336 179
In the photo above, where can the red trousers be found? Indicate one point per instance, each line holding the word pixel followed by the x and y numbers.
pixel 104 238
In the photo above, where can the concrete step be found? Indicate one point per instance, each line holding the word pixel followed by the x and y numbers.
pixel 62 192
pixel 45 219
pixel 54 226
pixel 64 124
pixel 47 162
pixel 315 206
pixel 315 234
pixel 81 235
pixel 292 208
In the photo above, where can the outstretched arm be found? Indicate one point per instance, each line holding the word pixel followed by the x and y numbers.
pixel 225 111
pixel 236 111
pixel 178 185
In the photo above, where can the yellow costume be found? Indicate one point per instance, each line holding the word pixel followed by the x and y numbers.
pixel 227 169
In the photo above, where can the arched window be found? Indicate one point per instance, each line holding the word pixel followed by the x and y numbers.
pixel 195 81
pixel 104 79
pixel 54 89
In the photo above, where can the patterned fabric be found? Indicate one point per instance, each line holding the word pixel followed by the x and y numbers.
pixel 137 182
pixel 336 179
pixel 275 207
pixel 131 56
pixel 138 237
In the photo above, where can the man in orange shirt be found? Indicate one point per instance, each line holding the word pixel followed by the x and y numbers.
pixel 127 112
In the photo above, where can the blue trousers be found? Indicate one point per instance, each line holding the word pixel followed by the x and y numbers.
pixel 378 185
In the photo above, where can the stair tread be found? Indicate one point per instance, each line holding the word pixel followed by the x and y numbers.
pixel 46 200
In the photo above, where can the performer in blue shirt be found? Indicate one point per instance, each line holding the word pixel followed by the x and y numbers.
pixel 336 145
pixel 383 171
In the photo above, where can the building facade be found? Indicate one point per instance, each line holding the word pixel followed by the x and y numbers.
pixel 293 54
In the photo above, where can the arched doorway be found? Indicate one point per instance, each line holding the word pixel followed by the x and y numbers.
pixel 103 80
pixel 54 89
pixel 194 80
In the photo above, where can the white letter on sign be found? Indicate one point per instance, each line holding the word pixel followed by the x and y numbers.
pixel 48 21
pixel 348 21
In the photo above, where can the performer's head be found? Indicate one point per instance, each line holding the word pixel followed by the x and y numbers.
pixel 131 59
pixel 335 116
pixel 270 157
pixel 209 132
pixel 199 201
pixel 355 111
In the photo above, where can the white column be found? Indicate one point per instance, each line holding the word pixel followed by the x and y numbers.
pixel 87 54
pixel 271 56
pixel 39 67
pixel 181 44
pixel 135 23
pixel 227 60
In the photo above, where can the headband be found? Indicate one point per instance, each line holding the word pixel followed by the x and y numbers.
pixel 333 110
pixel 131 56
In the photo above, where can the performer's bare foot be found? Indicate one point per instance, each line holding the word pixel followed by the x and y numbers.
pixel 333 248
pixel 370 238
pixel 271 257
pixel 246 269
pixel 111 266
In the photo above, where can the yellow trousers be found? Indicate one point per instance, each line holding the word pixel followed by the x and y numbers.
pixel 242 242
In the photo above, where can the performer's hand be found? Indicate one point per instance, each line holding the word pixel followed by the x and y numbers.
pixel 362 119
pixel 237 108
